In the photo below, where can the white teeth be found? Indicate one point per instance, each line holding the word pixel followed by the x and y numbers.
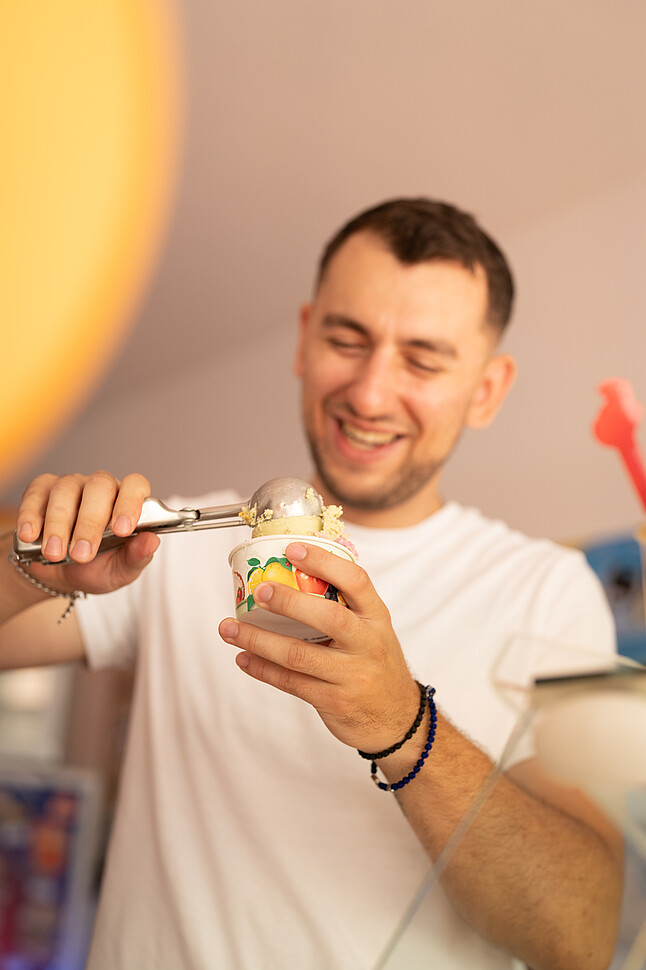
pixel 366 439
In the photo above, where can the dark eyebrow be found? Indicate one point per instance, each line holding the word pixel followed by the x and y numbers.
pixel 441 347
pixel 432 346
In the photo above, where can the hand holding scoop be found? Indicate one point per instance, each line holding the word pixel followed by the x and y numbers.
pixel 615 426
pixel 282 497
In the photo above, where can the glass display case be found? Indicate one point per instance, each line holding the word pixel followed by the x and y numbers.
pixel 587 721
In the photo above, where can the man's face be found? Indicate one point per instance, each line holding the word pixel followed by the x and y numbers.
pixel 395 360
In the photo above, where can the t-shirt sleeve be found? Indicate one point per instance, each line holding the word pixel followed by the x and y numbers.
pixel 109 627
pixel 111 624
pixel 574 634
pixel 578 623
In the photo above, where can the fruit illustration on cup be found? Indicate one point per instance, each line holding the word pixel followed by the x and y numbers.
pixel 238 585
pixel 310 584
pixel 281 570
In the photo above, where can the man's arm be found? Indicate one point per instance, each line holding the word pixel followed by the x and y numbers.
pixel 31 634
pixel 71 510
pixel 539 871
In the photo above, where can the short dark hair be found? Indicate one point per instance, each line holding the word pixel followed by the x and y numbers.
pixel 417 230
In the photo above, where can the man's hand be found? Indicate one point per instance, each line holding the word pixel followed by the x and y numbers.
pixel 73 511
pixel 359 683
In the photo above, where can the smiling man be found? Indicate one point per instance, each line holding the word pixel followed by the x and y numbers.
pixel 396 359
pixel 258 836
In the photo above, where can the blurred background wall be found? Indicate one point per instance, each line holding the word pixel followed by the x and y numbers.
pixel 302 113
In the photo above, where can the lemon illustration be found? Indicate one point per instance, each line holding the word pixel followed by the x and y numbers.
pixel 279 574
pixel 254 578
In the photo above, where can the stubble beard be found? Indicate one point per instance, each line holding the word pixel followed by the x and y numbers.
pixel 410 480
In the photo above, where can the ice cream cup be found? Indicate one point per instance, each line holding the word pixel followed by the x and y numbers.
pixel 264 558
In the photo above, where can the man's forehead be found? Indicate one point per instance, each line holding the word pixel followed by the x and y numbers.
pixel 366 283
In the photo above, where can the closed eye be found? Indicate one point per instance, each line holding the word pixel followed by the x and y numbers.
pixel 423 366
pixel 349 346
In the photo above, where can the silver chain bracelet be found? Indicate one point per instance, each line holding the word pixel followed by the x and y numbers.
pixel 72 597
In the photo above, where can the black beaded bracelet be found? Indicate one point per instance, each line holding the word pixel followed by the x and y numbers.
pixel 429 692
pixel 411 731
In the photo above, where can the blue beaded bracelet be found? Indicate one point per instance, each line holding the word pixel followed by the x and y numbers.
pixel 430 691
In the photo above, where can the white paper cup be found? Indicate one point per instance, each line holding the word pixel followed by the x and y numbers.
pixel 264 558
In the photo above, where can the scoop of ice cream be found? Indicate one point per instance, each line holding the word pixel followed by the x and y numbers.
pixel 302 525
pixel 328 524
pixel 331 525
pixel 249 515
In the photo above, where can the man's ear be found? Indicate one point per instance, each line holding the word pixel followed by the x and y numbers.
pixel 304 318
pixel 496 382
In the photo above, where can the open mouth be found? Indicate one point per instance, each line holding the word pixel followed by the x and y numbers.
pixel 366 440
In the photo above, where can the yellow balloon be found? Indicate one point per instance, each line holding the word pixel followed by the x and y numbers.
pixel 90 98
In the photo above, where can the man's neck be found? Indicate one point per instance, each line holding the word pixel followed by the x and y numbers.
pixel 414 510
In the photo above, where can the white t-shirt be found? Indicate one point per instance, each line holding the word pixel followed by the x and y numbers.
pixel 246 835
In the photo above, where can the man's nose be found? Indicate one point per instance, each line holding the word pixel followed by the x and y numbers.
pixel 373 390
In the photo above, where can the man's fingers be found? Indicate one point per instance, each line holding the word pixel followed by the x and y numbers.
pixel 308 689
pixel 111 570
pixel 351 579
pixel 127 508
pixel 74 511
pixel 60 515
pixel 95 509
pixel 135 555
pixel 289 654
pixel 104 500
pixel 31 514
pixel 333 619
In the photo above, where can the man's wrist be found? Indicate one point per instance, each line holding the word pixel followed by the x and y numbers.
pixel 42 587
pixel 402 766
pixel 385 752
pixel 16 594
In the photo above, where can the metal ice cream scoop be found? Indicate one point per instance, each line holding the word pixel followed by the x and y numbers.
pixel 286 498
pixel 283 497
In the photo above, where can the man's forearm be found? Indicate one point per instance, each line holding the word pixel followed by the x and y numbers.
pixel 531 878
pixel 31 637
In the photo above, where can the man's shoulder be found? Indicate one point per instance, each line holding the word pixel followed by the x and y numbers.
pixel 492 540
pixel 460 533
pixel 465 519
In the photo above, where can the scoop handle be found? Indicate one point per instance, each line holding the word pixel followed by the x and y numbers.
pixel 155 517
